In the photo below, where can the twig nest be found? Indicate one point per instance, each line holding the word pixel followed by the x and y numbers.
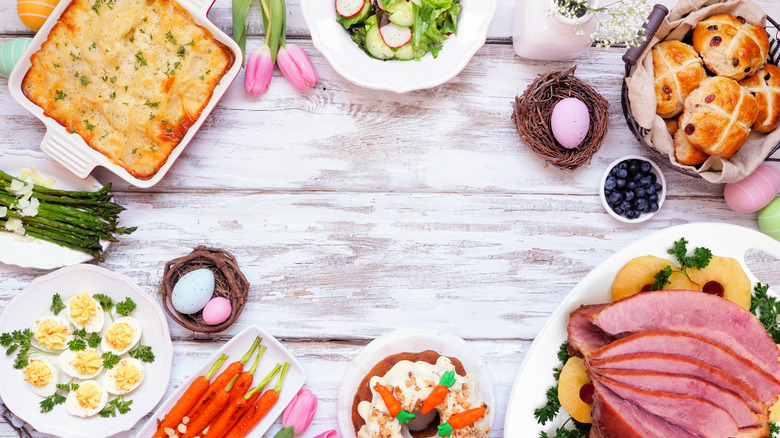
pixel 229 283
pixel 533 111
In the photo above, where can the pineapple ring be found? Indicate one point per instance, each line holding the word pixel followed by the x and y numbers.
pixel 724 276
pixel 570 383
pixel 638 275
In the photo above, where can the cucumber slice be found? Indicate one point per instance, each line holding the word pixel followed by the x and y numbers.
pixel 376 46
pixel 402 15
pixel 405 52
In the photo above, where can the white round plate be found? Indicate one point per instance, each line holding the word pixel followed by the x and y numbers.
pixel 27 252
pixel 535 375
pixel 335 44
pixel 412 339
pixel 34 301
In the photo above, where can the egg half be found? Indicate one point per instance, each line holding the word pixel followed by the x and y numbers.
pixel 52 332
pixel 85 312
pixel 121 336
pixel 124 377
pixel 86 401
pixel 84 364
pixel 42 376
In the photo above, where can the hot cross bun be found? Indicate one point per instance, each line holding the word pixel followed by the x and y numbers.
pixel 765 85
pixel 678 71
pixel 730 46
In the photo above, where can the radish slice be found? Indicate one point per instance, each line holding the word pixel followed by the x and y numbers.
pixel 395 36
pixel 349 8
pixel 379 4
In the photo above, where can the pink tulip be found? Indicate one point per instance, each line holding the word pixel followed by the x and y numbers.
pixel 259 69
pixel 296 66
pixel 300 411
pixel 329 434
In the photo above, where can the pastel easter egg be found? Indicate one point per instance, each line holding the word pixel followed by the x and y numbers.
pixel 216 311
pixel 193 291
pixel 10 52
pixel 570 122
pixel 34 13
pixel 769 219
pixel 755 191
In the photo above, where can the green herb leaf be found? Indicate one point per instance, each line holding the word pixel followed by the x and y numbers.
pixel 143 353
pixel 125 307
pixel 48 404
pixel 110 359
pixel 77 345
pixel 662 278
pixel 56 304
pixel 105 301
pixel 767 310
pixel 117 404
pixel 550 409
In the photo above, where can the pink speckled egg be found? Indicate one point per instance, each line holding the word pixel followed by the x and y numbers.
pixel 570 122
pixel 754 192
pixel 216 311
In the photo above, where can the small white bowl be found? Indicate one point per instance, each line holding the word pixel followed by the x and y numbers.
pixel 335 44
pixel 659 179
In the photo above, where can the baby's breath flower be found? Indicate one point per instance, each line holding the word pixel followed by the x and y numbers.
pixel 619 21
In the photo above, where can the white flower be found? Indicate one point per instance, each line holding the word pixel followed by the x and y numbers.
pixel 619 21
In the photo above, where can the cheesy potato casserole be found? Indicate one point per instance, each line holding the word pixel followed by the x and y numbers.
pixel 129 76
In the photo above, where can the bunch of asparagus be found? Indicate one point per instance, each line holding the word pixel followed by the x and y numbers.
pixel 77 220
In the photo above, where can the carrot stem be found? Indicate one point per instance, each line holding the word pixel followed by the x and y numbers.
pixel 215 367
pixel 260 352
pixel 248 355
pixel 278 387
pixel 263 382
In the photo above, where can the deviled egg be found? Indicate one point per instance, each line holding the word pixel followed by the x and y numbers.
pixel 42 376
pixel 124 376
pixel 52 332
pixel 85 312
pixel 84 364
pixel 121 336
pixel 86 401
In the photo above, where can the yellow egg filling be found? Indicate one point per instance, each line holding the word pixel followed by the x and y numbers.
pixel 82 308
pixel 119 336
pixel 88 396
pixel 126 376
pixel 51 334
pixel 37 373
pixel 87 362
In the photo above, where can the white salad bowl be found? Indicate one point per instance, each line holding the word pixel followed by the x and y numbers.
pixel 335 44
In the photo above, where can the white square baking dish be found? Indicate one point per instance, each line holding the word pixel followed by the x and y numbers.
pixel 71 150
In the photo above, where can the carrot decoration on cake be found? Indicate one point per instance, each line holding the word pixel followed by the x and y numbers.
pixel 461 420
pixel 439 393
pixel 393 405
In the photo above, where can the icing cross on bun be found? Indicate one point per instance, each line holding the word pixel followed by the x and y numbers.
pixel 765 85
pixel 718 116
pixel 678 71
pixel 415 383
pixel 730 46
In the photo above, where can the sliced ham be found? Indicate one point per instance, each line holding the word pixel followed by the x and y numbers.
pixel 706 315
pixel 688 386
pixel 697 416
pixel 670 342
pixel 675 363
pixel 614 417
pixel 584 337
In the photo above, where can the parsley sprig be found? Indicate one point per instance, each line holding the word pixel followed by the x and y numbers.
pixel 117 404
pixel 82 339
pixel 767 309
pixel 143 353
pixel 110 359
pixel 56 304
pixel 55 399
pixel 553 406
pixel 20 341
pixel 123 308
pixel 699 260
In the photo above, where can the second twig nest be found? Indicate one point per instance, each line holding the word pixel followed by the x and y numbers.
pixel 532 113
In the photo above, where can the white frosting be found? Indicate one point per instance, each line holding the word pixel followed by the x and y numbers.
pixel 412 383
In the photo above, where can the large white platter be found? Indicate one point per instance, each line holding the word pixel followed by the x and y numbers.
pixel 34 301
pixel 411 339
pixel 235 348
pixel 35 253
pixel 535 375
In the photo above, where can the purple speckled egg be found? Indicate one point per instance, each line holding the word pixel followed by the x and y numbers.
pixel 570 122
pixel 216 311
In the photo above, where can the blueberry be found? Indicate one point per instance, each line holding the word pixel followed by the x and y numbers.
pixel 653 198
pixel 625 205
pixel 622 173
pixel 623 165
pixel 609 184
pixel 633 167
pixel 632 185
pixel 613 172
pixel 631 214
pixel 615 198
pixel 637 177
pixel 658 187
pixel 641 192
pixel 618 210
pixel 620 183
pixel 640 204
pixel 650 189
pixel 629 195
pixel 645 181
pixel 653 207
pixel 653 178
pixel 645 166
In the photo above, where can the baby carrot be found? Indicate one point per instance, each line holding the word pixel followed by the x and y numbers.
pixel 461 420
pixel 236 407
pixel 245 379
pixel 257 411
pixel 393 405
pixel 188 400
pixel 222 379
pixel 439 393
pixel 201 419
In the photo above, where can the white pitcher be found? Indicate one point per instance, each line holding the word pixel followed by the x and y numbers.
pixel 539 35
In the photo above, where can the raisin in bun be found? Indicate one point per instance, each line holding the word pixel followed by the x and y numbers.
pixel 718 116
pixel 685 153
pixel 730 46
pixel 765 85
pixel 678 71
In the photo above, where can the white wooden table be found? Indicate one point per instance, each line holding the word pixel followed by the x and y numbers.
pixel 356 212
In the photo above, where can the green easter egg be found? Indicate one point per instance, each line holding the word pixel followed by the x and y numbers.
pixel 769 219
pixel 10 52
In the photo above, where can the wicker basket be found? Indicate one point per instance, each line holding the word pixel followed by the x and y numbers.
pixel 229 283
pixel 654 21
pixel 532 111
